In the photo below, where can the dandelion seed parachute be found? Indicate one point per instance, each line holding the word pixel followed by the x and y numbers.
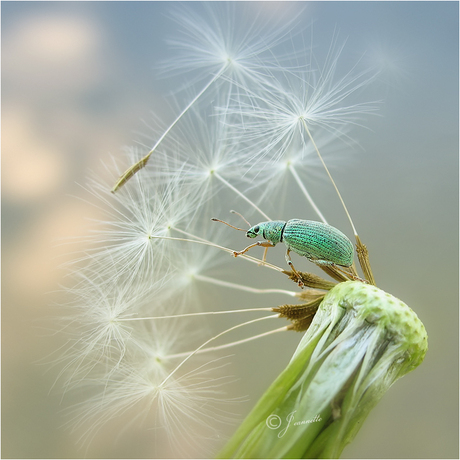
pixel 186 406
pixel 126 243
pixel 223 36
pixel 271 118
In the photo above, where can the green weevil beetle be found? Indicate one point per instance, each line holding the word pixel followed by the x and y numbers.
pixel 320 243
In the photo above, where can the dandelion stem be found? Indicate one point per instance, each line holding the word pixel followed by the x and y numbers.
pixel 218 176
pixel 210 340
pixel 305 192
pixel 191 235
pixel 199 240
pixel 143 161
pixel 242 287
pixel 330 177
pixel 201 313
pixel 231 344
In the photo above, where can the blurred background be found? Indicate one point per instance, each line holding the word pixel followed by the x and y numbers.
pixel 79 81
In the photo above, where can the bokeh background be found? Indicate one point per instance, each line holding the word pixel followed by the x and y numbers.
pixel 79 81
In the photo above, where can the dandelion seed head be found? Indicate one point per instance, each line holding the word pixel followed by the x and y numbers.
pixel 153 247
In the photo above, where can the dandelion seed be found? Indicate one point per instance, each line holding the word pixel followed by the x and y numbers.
pixel 203 46
pixel 225 36
pixel 126 242
pixel 312 95
pixel 100 338
pixel 270 175
pixel 192 407
pixel 202 163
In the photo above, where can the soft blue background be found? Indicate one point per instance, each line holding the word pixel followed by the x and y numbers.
pixel 64 113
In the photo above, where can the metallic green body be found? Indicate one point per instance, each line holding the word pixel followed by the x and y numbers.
pixel 320 243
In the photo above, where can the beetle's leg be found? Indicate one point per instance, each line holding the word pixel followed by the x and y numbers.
pixel 355 277
pixel 264 258
pixel 348 274
pixel 265 244
pixel 296 273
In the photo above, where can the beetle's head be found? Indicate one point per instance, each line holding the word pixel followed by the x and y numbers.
pixel 256 230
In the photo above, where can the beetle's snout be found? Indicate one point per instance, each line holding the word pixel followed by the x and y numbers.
pixel 250 234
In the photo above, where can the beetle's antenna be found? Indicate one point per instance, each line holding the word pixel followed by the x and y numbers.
pixel 236 228
pixel 237 213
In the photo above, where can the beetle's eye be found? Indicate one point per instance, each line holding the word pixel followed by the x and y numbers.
pixel 256 229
